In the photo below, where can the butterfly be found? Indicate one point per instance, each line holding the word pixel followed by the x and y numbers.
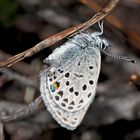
pixel 68 85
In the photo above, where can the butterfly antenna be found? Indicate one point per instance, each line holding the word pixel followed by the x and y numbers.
pixel 82 34
pixel 120 57
pixel 72 40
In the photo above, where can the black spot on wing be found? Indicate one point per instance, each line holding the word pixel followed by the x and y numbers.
pixel 70 107
pixel 72 103
pixel 76 93
pixel 63 104
pixel 89 94
pixel 71 89
pixel 84 87
pixel 66 100
pixel 81 101
pixel 78 75
pixel 60 71
pixel 60 93
pixel 67 83
pixel 91 67
pixel 57 98
pixel 67 75
pixel 91 82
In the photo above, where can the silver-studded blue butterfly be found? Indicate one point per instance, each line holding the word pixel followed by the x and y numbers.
pixel 68 86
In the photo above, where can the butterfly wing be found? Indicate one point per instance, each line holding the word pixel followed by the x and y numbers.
pixel 69 85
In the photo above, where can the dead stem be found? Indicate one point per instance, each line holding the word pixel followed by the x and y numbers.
pixel 20 67
pixel 35 105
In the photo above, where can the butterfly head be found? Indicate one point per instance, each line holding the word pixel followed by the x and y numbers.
pixel 104 47
pixel 102 44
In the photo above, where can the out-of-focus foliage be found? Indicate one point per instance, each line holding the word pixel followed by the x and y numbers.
pixel 8 10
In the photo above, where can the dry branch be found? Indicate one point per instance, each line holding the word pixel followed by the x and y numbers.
pixel 59 36
pixel 20 67
pixel 36 105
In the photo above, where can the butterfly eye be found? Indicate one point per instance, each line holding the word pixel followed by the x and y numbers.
pixel 103 46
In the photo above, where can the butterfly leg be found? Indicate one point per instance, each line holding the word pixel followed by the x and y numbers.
pixel 100 24
pixel 88 32
pixel 75 42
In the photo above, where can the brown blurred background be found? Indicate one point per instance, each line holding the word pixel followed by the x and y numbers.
pixel 115 112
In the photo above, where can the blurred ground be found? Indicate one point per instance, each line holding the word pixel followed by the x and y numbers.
pixel 115 112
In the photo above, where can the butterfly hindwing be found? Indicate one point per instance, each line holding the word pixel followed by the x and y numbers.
pixel 68 88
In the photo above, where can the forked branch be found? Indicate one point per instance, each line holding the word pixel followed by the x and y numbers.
pixel 59 36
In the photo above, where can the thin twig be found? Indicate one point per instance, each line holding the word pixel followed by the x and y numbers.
pixel 59 36
pixel 35 105
pixel 21 67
